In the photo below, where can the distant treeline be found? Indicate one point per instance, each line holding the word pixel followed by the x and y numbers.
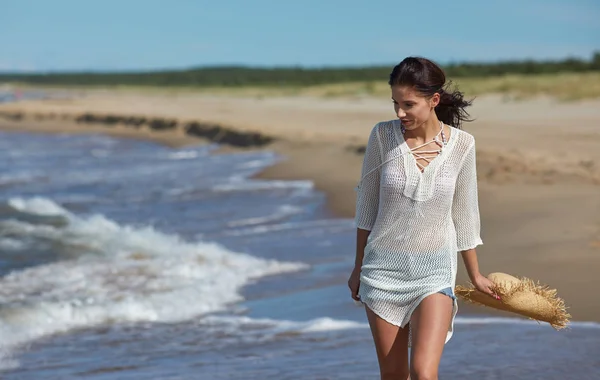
pixel 247 76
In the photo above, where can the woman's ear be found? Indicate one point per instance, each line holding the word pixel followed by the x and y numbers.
pixel 434 100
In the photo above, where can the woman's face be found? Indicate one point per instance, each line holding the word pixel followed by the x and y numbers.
pixel 412 108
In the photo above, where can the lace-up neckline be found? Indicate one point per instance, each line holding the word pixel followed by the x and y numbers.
pixel 427 156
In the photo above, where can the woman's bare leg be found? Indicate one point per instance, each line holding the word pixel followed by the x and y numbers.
pixel 429 324
pixel 391 345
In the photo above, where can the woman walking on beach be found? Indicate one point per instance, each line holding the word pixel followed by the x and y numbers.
pixel 417 206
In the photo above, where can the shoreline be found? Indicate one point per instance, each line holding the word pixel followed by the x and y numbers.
pixel 538 220
pixel 170 139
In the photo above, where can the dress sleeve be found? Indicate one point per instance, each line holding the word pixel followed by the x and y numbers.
pixel 367 199
pixel 465 206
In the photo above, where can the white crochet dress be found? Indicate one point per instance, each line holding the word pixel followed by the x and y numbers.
pixel 419 221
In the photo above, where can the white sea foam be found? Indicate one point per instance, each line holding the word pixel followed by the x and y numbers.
pixel 250 229
pixel 123 274
pixel 256 163
pixel 246 329
pixel 235 329
pixel 37 206
pixel 183 155
pixel 281 212
pixel 244 185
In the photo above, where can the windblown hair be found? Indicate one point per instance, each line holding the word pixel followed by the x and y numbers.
pixel 428 79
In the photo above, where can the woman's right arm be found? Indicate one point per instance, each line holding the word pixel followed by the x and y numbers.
pixel 367 198
pixel 367 206
pixel 361 242
pixel 354 280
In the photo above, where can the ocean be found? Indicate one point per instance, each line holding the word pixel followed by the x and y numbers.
pixel 123 259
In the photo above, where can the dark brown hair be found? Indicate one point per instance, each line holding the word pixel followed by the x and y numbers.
pixel 428 78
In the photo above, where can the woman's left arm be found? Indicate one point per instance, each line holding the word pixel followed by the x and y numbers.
pixel 465 215
pixel 480 282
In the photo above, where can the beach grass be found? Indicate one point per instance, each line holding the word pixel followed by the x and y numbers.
pixel 561 86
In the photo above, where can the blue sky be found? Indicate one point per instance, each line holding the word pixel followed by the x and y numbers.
pixel 107 35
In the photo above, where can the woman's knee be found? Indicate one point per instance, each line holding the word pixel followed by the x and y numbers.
pixel 423 374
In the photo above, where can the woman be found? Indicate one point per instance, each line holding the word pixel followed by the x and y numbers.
pixel 417 206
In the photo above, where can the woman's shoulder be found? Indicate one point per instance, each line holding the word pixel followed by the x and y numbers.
pixel 381 131
pixel 383 127
pixel 387 124
pixel 463 137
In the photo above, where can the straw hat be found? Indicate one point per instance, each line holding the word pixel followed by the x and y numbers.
pixel 521 296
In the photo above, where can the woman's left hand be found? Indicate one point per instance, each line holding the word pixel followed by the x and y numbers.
pixel 484 285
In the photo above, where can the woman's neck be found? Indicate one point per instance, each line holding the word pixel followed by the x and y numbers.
pixel 425 132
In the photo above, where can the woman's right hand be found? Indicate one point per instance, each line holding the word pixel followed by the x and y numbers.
pixel 354 283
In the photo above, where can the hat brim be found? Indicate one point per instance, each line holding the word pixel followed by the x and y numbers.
pixel 521 296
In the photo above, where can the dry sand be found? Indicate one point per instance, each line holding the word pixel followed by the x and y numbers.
pixel 538 165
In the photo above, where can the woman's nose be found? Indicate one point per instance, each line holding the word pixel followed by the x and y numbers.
pixel 400 113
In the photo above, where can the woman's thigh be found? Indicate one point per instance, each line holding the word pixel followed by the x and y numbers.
pixel 391 344
pixel 429 324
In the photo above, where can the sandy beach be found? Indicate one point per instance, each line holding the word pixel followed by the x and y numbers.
pixel 538 163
